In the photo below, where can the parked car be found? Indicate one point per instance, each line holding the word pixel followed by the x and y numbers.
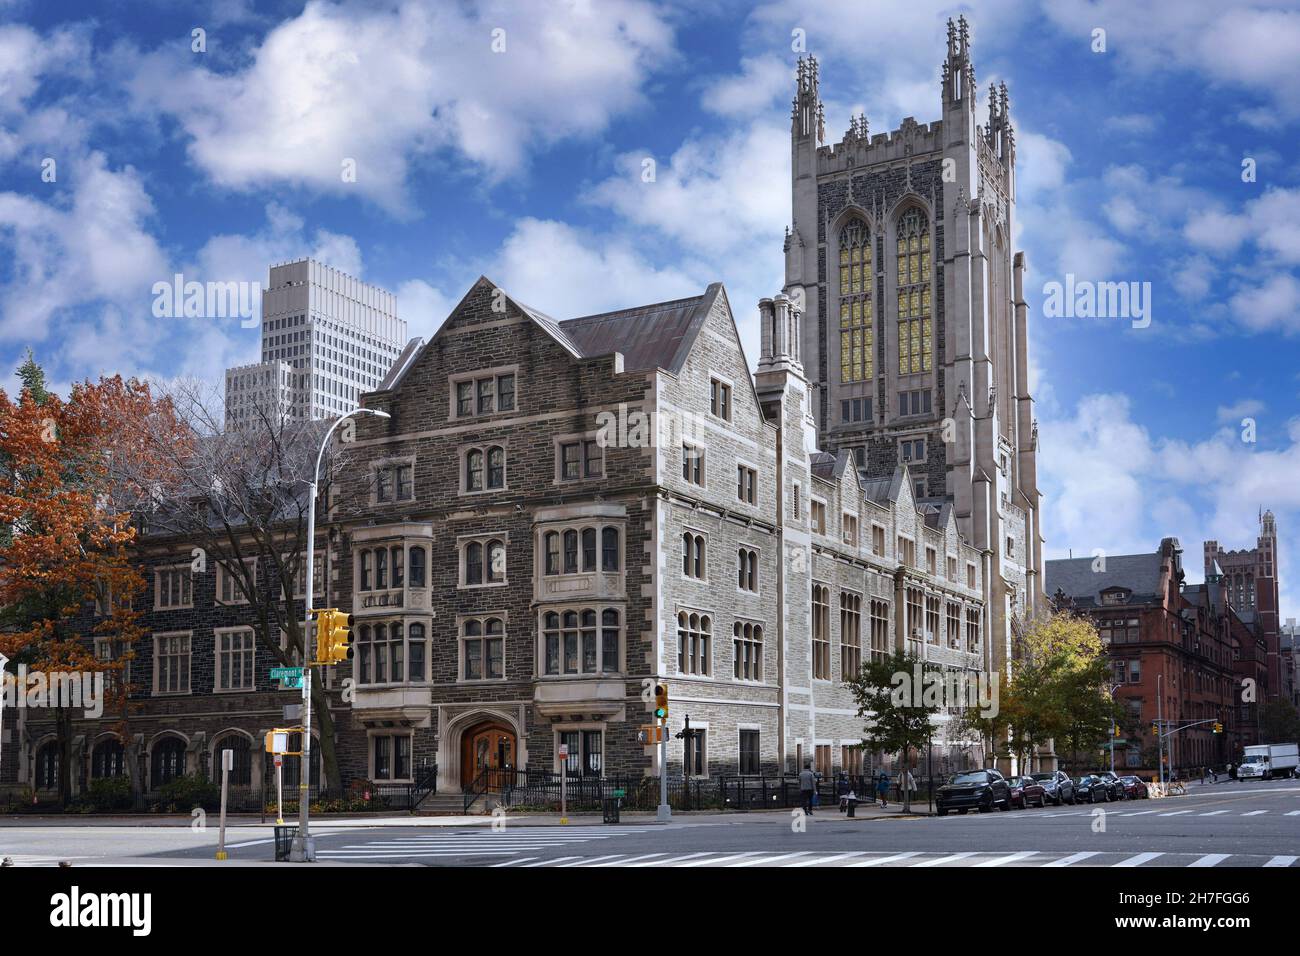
pixel 1057 784
pixel 1026 792
pixel 974 790
pixel 1134 788
pixel 1113 784
pixel 1091 789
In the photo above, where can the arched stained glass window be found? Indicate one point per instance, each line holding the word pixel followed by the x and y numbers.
pixel 856 312
pixel 915 342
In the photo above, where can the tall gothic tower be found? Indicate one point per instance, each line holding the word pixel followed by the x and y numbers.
pixel 915 342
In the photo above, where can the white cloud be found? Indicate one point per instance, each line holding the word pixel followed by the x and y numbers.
pixel 1234 413
pixel 385 87
pixel 423 307
pixel 761 80
pixel 1249 45
pixel 89 242
pixel 1272 305
pixel 1109 484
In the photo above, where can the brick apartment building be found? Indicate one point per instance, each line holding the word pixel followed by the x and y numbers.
pixel 1250 581
pixel 1178 653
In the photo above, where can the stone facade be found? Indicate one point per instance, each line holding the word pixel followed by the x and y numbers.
pixel 917 350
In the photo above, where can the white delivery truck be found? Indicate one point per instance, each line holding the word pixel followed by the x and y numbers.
pixel 1269 760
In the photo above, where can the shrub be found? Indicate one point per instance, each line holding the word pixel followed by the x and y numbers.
pixel 109 793
pixel 190 791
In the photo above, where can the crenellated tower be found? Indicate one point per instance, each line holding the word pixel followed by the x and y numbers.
pixel 914 331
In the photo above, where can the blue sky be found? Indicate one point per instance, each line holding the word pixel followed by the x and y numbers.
pixel 525 164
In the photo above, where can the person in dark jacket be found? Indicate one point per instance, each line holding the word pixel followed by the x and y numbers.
pixel 807 787
pixel 882 789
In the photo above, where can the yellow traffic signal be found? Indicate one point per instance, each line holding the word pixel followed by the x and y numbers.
pixel 333 630
pixel 1117 730
pixel 1218 728
pixel 661 701
pixel 1155 729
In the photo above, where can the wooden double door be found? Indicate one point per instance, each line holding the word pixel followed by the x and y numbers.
pixel 487 750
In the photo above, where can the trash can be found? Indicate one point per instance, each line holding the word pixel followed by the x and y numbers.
pixel 612 804
pixel 284 843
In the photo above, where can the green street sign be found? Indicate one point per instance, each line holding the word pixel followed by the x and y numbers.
pixel 290 678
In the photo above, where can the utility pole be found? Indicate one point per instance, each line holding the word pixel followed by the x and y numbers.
pixel 303 849
pixel 665 813
pixel 4 662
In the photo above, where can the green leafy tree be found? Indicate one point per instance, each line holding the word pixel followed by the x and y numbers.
pixel 1279 723
pixel 897 721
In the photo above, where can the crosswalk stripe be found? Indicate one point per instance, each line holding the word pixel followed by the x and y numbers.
pixel 1138 860
pixel 405 854
pixel 1293 813
pixel 945 859
pixel 628 860
pixel 1073 858
pixel 522 859
pixel 1254 813
pixel 1281 861
pixel 821 860
pixel 769 859
pixel 888 859
pixel 1009 858
pixel 590 859
pixel 1176 813
pixel 722 859
pixel 1210 859
pixel 558 859
pixel 1214 813
pixel 672 859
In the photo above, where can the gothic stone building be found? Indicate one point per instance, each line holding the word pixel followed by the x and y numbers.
pixel 916 338
pixel 611 501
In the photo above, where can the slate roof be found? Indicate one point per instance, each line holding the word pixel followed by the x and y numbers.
pixel 1139 573
pixel 649 336
pixel 403 362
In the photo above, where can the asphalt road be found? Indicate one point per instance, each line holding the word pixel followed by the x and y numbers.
pixel 1246 825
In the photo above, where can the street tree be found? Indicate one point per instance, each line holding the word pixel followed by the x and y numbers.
pixel 898 718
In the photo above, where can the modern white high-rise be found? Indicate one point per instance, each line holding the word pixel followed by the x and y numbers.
pixel 326 339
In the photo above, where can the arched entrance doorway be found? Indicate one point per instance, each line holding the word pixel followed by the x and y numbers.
pixel 489 746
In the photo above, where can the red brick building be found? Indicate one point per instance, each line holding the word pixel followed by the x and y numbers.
pixel 1172 648
pixel 1250 584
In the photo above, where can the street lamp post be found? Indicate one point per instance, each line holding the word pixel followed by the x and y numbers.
pixel 1113 733
pixel 303 849
pixel 4 662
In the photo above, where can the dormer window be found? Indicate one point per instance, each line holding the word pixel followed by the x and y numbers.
pixel 1116 596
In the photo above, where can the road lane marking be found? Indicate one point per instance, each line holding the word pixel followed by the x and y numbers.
pixel 945 859
pixel 1281 861
pixel 1254 813
pixel 1293 813
pixel 1176 813
pixel 1213 813
pixel 1210 859
pixel 1138 860
pixel 1141 813
pixel 522 859
pixel 1073 858
pixel 888 859
pixel 1009 858
pixel 558 859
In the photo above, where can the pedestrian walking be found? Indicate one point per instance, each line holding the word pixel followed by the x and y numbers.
pixel 910 782
pixel 1214 775
pixel 807 788
pixel 882 789
pixel 1232 771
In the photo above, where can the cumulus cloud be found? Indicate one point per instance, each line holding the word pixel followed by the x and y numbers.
pixel 381 88
pixel 761 80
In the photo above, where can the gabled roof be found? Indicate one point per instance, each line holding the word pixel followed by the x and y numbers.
pixel 649 336
pixel 1138 573
pixel 404 361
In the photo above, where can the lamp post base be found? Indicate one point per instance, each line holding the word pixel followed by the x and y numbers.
pixel 665 814
pixel 302 850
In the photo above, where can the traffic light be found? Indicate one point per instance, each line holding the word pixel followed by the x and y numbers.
pixel 333 630
pixel 1218 728
pixel 1117 730
pixel 1155 728
pixel 661 701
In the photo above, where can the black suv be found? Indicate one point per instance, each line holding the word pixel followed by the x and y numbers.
pixel 1059 786
pixel 976 789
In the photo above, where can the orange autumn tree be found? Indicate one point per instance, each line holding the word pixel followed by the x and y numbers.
pixel 71 474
